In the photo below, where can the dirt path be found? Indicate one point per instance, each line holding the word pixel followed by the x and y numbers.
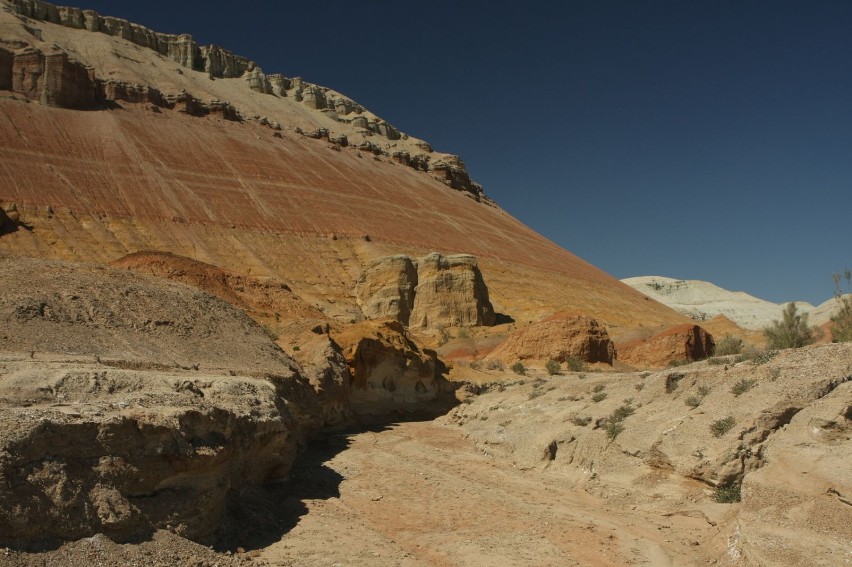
pixel 418 493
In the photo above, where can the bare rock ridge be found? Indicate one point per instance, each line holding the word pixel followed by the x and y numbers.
pixel 55 79
pixel 431 292
pixel 559 337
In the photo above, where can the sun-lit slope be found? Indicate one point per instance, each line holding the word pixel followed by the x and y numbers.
pixel 96 185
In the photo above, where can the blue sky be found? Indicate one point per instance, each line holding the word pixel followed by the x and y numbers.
pixel 697 140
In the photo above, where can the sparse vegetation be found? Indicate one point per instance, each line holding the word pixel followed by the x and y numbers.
pixel 743 386
pixel 792 331
pixel 535 393
pixel 475 365
pixel 717 361
pixel 496 365
pixel 574 364
pixel 727 494
pixel 581 421
pixel 693 401
pixel 598 388
pixel 703 390
pixel 676 363
pixel 519 368
pixel 729 344
pixel 553 367
pixel 599 397
pixel 722 426
pixel 841 332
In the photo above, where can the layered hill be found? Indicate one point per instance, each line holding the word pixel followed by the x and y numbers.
pixel 116 139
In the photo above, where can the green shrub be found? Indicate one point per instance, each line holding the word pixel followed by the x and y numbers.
pixel 743 386
pixel 614 422
pixel 703 390
pixel 727 494
pixel 728 344
pixel 599 397
pixel 575 364
pixel 519 368
pixel 693 401
pixel 534 394
pixel 722 426
pixel 841 332
pixel 553 367
pixel 792 331
pixel 622 412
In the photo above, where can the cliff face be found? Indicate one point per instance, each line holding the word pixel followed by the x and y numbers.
pixel 258 174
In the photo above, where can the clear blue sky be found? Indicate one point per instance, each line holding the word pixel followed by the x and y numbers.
pixel 699 140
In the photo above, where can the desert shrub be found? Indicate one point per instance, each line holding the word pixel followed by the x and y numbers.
pixel 598 388
pixel 728 344
pixel 553 367
pixel 613 429
pixel 693 401
pixel 496 365
pixel 792 331
pixel 841 332
pixel 614 422
pixel 717 361
pixel 703 390
pixel 722 426
pixel 599 397
pixel 727 494
pixel 534 394
pixel 539 382
pixel 574 364
pixel 519 368
pixel 476 365
pixel 743 386
pixel 581 421
pixel 622 412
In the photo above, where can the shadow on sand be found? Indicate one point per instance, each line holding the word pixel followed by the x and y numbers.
pixel 261 516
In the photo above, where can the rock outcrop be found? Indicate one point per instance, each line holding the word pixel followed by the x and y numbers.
pixel 53 79
pixel 431 292
pixel 390 372
pixel 386 287
pixel 683 343
pixel 450 293
pixel 559 337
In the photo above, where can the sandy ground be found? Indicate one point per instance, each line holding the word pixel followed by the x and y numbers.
pixel 419 493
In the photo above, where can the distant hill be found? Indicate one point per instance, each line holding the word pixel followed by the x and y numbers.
pixel 703 301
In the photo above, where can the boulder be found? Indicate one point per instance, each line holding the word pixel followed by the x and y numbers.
pixel 559 337
pixel 450 293
pixel 390 372
pixel 385 289
pixel 685 342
